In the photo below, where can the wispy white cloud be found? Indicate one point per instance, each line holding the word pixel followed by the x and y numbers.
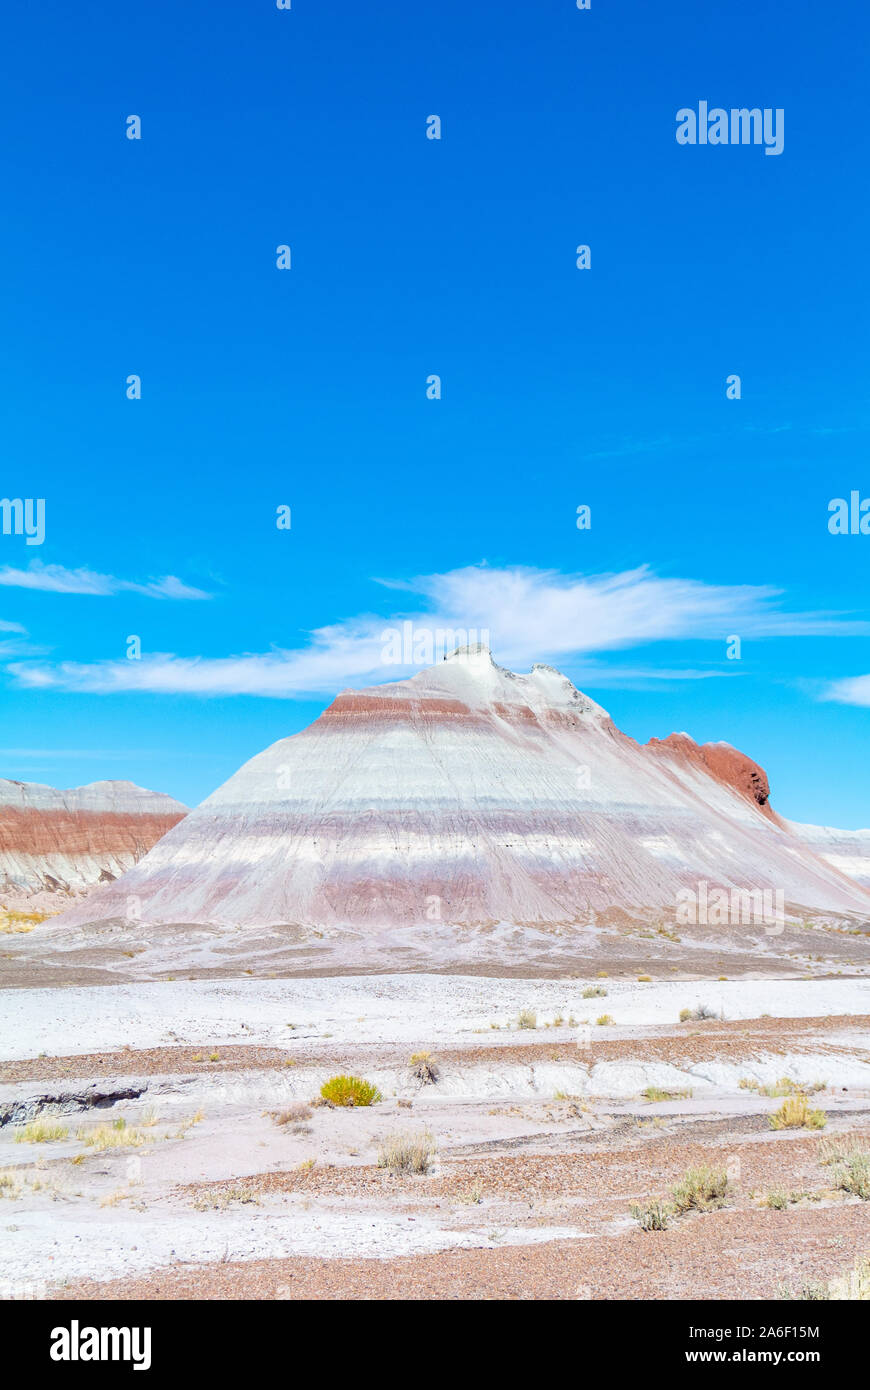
pixel 851 690
pixel 531 615
pixel 57 579
pixel 18 644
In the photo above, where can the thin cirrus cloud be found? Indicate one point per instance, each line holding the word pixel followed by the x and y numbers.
pixel 57 579
pixel 14 642
pixel 851 690
pixel 530 615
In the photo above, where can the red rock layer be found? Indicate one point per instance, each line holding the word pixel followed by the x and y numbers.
pixel 728 765
pixel 75 833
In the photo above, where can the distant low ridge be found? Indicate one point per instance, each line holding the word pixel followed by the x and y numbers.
pixel 66 842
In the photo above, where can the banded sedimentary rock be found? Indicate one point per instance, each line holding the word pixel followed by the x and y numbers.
pixel 68 841
pixel 471 795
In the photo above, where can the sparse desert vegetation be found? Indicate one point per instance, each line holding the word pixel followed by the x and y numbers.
pixel 656 1093
pixel 535 1143
pixel 117 1135
pixel 239 1193
pixel 19 923
pixel 785 1086
pixel 41 1132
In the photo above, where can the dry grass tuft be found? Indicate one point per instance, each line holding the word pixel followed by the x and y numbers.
pixel 41 1132
pixel 294 1114
pixel 407 1153
pixel 118 1135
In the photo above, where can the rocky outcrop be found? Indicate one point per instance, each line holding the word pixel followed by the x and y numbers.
pixel 728 765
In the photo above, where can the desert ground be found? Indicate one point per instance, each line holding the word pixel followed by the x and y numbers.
pixel 166 1137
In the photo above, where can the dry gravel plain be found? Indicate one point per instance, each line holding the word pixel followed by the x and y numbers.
pixel 190 1158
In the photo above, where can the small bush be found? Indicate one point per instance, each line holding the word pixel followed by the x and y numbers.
pixel 293 1115
pixel 795 1113
pixel 702 1189
pixel 699 1014
pixel 41 1132
pixel 853 1176
pixel 527 1018
pixel 407 1153
pixel 603 1020
pixel 350 1091
pixel 653 1216
pixel 425 1068
pixel 594 992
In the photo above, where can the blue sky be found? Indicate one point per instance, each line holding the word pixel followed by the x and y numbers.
pixel 411 257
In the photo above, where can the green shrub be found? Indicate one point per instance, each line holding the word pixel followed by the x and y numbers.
pixel 349 1090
